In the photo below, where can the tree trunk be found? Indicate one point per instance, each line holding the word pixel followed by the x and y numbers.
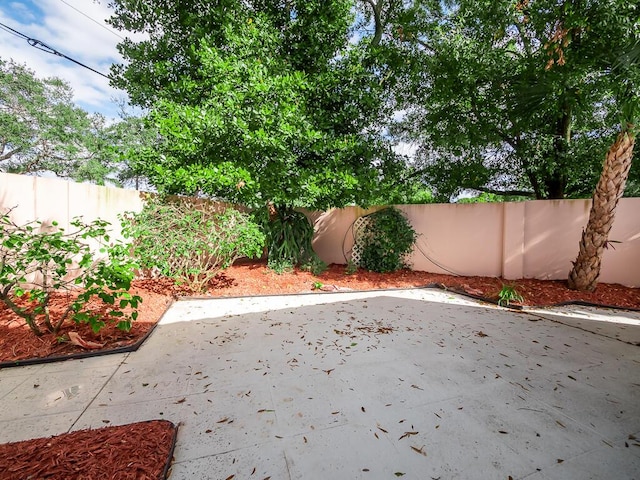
pixel 586 268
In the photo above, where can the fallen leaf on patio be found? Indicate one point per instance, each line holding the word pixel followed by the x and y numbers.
pixel 208 430
pixel 481 334
pixel 399 474
pixel 230 477
pixel 76 339
pixel 419 450
pixel 305 439
pixel 560 460
pixel 253 471
pixel 382 429
pixel 365 469
pixel 572 378
pixel 560 423
pixel 503 432
pixel 264 410
pixel 407 434
pixel 225 419
pixel 362 408
pixel 182 400
pixel 328 372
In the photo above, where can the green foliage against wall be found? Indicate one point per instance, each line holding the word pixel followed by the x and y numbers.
pixel 36 261
pixel 386 241
pixel 188 241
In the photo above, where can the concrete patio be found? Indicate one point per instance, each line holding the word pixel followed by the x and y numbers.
pixel 416 384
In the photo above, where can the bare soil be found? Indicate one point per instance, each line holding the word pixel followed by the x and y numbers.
pixel 250 278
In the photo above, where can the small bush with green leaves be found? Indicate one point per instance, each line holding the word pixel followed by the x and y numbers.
pixel 190 242
pixel 315 265
pixel 508 294
pixel 387 241
pixel 351 268
pixel 36 261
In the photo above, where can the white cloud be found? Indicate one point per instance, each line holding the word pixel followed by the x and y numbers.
pixel 59 26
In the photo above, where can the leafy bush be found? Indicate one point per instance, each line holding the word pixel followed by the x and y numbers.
pixel 351 268
pixel 289 235
pixel 36 261
pixel 280 266
pixel 508 294
pixel 315 265
pixel 188 241
pixel 386 242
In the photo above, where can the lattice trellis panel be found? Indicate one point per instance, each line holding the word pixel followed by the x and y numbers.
pixel 360 230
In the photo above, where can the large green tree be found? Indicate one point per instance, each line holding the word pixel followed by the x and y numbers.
pixel 497 105
pixel 257 101
pixel 42 130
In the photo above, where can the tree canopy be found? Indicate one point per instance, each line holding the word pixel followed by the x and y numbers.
pixel 513 97
pixel 258 101
pixel 42 130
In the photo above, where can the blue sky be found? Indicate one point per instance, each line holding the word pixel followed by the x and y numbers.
pixel 64 26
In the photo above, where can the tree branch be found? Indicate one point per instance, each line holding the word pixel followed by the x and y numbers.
pixel 377 18
pixel 10 154
pixel 519 193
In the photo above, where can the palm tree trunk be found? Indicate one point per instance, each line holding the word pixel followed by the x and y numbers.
pixel 586 268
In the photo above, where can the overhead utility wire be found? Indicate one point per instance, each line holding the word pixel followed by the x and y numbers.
pixel 93 20
pixel 46 48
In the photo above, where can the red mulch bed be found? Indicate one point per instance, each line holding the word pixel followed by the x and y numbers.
pixel 139 451
pixel 253 278
pixel 250 278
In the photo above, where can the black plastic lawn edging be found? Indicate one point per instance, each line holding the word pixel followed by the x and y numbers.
pixel 80 355
pixel 440 286
pixel 166 471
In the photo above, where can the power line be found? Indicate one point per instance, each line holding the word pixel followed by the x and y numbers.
pixel 93 20
pixel 13 32
pixel 46 48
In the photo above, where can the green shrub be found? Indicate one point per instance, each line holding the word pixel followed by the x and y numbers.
pixel 315 265
pixel 188 241
pixel 280 266
pixel 351 268
pixel 386 242
pixel 509 294
pixel 289 235
pixel 36 261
